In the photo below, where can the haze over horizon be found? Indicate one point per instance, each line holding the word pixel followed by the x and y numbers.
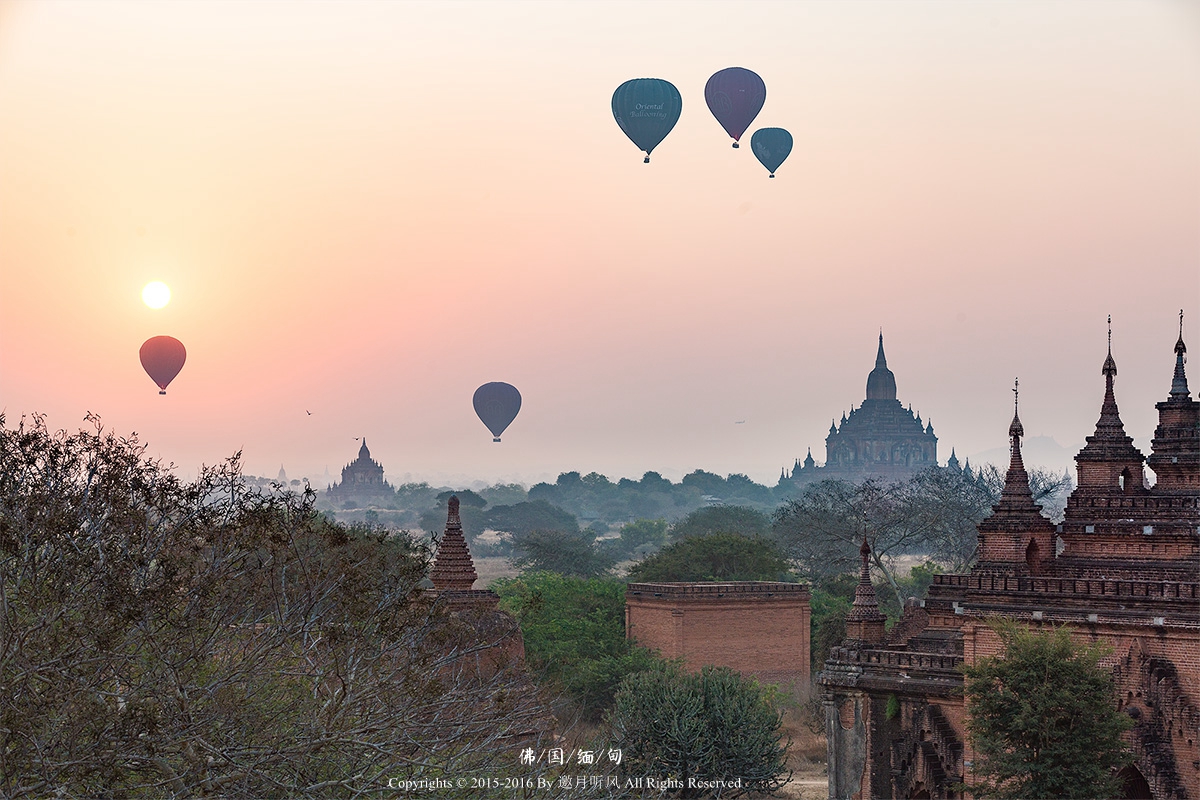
pixel 366 210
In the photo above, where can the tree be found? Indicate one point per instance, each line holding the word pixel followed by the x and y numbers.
pixel 167 638
pixel 565 552
pixel 705 730
pixel 933 514
pixel 830 603
pixel 648 533
pixel 1049 489
pixel 1043 718
pixel 532 515
pixel 574 632
pixel 714 557
pixel 722 519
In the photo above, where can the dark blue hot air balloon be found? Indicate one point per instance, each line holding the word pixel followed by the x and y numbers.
pixel 497 405
pixel 771 146
pixel 646 109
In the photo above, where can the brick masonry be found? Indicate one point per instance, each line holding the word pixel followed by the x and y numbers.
pixel 758 628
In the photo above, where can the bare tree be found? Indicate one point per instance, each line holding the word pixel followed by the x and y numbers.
pixel 179 639
pixel 932 514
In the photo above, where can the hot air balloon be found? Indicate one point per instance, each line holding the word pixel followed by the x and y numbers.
pixel 771 146
pixel 497 405
pixel 735 96
pixel 162 358
pixel 646 109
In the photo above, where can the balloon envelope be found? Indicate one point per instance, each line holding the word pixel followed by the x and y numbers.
pixel 646 109
pixel 162 358
pixel 771 146
pixel 497 405
pixel 735 96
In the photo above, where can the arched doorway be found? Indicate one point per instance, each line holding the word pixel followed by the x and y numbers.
pixel 1033 557
pixel 1133 784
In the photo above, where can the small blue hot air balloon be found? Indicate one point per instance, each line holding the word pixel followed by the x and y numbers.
pixel 771 147
pixel 497 405
pixel 646 109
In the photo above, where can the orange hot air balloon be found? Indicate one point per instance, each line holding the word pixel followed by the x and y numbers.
pixel 162 358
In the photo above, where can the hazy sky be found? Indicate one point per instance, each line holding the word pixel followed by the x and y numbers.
pixel 365 210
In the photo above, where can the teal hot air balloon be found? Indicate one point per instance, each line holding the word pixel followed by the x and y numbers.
pixel 771 147
pixel 497 404
pixel 646 109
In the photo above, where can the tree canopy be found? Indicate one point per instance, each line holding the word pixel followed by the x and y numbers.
pixel 705 730
pixel 565 552
pixel 1043 719
pixel 722 519
pixel 714 557
pixel 171 638
pixel 575 634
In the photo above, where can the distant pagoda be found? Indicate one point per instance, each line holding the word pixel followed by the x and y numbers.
pixel 879 439
pixel 362 482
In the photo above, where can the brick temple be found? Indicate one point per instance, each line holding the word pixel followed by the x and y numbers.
pixel 879 439
pixel 1123 569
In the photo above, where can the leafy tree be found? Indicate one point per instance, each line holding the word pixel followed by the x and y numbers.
pixel 166 638
pixel 505 494
pixel 706 482
pixel 530 516
pixel 574 632
pixel 722 519
pixel 701 729
pixel 829 604
pixel 466 497
pixel 565 552
pixel 642 533
pixel 714 557
pixel 1043 719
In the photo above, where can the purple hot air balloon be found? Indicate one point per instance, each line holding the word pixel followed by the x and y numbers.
pixel 162 358
pixel 735 96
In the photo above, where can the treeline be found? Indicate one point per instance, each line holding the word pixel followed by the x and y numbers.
pixel 593 499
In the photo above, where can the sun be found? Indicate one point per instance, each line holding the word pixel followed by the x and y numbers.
pixel 156 294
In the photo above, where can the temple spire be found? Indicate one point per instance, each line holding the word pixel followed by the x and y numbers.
pixel 864 622
pixel 453 568
pixel 1016 495
pixel 881 383
pixel 1179 386
pixel 1109 425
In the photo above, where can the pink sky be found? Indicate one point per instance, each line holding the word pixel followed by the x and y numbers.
pixel 365 210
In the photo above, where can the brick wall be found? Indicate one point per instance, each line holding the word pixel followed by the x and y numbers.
pixel 757 628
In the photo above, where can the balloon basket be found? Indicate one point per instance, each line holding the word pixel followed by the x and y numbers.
pixel 646 160
pixel 772 175
pixel 162 391
pixel 496 439
pixel 735 145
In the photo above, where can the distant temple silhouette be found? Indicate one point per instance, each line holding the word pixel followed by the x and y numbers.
pixel 362 482
pixel 879 439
